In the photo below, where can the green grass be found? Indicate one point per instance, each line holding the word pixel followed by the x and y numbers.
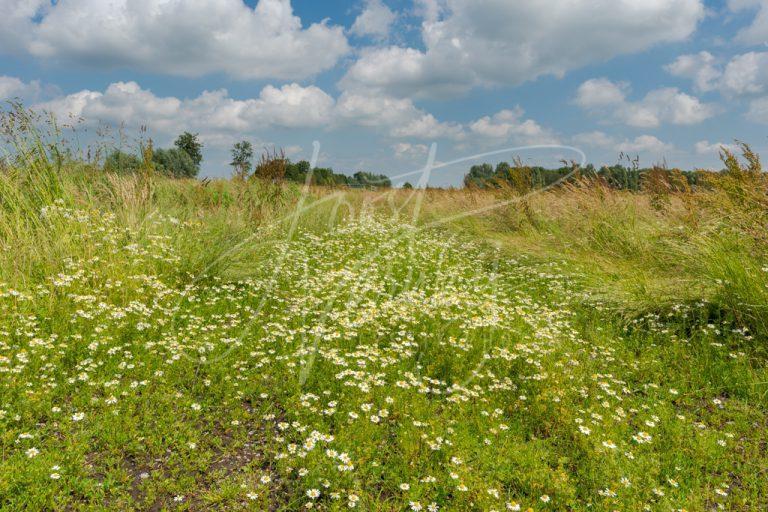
pixel 180 346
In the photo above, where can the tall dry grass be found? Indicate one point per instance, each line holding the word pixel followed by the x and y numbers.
pixel 642 252
pixel 231 218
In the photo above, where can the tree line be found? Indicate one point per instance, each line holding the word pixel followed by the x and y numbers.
pixel 181 161
pixel 524 178
pixel 274 165
pixel 184 158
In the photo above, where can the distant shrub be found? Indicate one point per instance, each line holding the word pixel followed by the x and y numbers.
pixel 619 177
pixel 325 176
pixel 119 162
pixel 370 180
pixel 297 171
pixel 479 176
pixel 272 165
pixel 174 163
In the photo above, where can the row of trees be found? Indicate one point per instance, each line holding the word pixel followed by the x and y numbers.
pixel 524 178
pixel 184 158
pixel 275 166
pixel 181 161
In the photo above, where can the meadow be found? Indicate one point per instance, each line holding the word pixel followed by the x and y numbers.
pixel 249 345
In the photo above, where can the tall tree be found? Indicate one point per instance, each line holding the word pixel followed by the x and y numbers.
pixel 242 158
pixel 191 145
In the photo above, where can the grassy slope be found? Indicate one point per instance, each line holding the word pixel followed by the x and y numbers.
pixel 181 346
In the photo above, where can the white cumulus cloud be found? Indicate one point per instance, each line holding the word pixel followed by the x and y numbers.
pixel 746 74
pixel 181 37
pixel 399 116
pixel 212 113
pixel 488 42
pixel 426 126
pixel 743 74
pixel 659 106
pixel 699 67
pixel 510 125
pixel 645 144
pixel 408 151
pixel 703 147
pixel 594 139
pixel 12 88
pixel 375 20
pixel 218 116
pixel 757 32
pixel 601 92
pixel 758 110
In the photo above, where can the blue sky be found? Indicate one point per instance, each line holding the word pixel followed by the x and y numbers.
pixel 378 81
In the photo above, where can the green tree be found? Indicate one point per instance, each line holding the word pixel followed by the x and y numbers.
pixel 323 176
pixel 191 145
pixel 297 171
pixel 479 176
pixel 174 163
pixel 242 158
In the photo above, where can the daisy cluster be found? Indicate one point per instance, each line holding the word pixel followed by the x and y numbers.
pixel 377 366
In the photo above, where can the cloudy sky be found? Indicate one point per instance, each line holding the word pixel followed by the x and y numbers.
pixel 378 81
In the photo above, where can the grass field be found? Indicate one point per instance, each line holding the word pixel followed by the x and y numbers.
pixel 179 345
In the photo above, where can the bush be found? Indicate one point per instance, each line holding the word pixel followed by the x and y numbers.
pixel 121 163
pixel 175 163
pixel 369 180
pixel 271 166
